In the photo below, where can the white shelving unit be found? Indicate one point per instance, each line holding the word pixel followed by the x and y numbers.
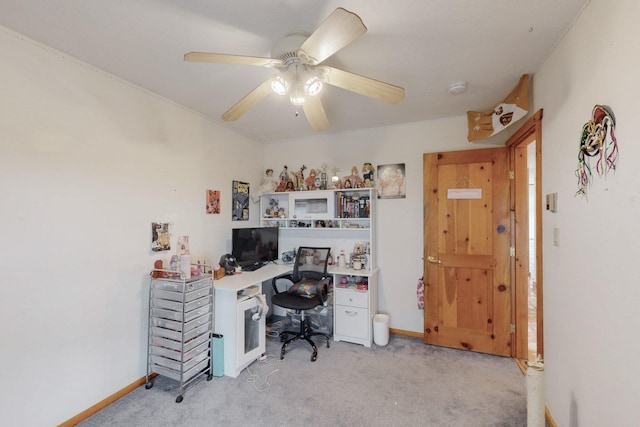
pixel 343 220
pixel 340 219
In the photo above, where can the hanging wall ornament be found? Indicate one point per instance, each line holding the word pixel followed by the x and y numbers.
pixel 598 142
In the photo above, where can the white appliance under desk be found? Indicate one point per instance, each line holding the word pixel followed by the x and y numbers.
pixel 235 306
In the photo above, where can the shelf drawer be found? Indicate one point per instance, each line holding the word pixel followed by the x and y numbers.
pixel 179 286
pixel 177 305
pixel 178 315
pixel 351 298
pixel 176 355
pixel 176 336
pixel 177 326
pixel 176 344
pixel 177 296
pixel 175 365
pixel 175 375
pixel 352 322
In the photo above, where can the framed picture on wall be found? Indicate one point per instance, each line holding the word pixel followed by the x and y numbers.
pixel 240 200
pixel 160 237
pixel 391 181
pixel 213 202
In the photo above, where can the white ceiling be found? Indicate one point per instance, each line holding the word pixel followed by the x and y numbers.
pixel 421 45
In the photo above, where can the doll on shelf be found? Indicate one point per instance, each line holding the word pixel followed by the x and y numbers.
pixel 268 185
pixel 298 179
pixel 284 179
pixel 367 176
pixel 311 180
pixel 354 180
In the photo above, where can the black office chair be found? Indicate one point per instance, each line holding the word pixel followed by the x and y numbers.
pixel 310 287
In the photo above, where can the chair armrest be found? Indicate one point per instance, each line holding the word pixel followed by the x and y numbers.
pixel 287 276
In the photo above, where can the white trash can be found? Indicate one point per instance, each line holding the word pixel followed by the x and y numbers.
pixel 381 329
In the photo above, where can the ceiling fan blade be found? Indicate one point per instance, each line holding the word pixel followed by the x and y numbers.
pixel 362 85
pixel 315 113
pixel 248 102
pixel 337 31
pixel 222 58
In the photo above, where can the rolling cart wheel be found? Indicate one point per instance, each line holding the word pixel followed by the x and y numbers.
pixel 209 377
pixel 179 399
pixel 148 385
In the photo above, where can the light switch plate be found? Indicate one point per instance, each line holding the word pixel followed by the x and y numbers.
pixel 552 202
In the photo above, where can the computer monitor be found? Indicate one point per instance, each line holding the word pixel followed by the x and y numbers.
pixel 252 245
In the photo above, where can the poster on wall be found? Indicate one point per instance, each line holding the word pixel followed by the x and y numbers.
pixel 391 181
pixel 240 200
pixel 160 237
pixel 213 202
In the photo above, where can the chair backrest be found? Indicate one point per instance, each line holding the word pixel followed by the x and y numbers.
pixel 311 263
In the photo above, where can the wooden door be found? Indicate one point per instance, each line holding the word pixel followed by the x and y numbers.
pixel 467 237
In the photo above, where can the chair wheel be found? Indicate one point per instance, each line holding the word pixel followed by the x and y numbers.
pixel 283 337
pixel 314 357
pixel 179 399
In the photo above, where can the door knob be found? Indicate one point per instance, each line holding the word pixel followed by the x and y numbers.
pixel 433 260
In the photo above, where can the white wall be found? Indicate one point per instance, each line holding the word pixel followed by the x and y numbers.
pixel 400 231
pixel 87 163
pixel 591 286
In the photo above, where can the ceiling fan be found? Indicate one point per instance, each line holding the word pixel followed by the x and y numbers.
pixel 299 58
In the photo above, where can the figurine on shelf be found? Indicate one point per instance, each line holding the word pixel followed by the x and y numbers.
pixel 311 179
pixel 284 179
pixel 367 176
pixel 268 185
pixel 298 179
pixel 353 180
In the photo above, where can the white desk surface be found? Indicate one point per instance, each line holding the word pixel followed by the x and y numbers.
pixel 237 282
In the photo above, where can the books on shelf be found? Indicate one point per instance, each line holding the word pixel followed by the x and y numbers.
pixel 348 206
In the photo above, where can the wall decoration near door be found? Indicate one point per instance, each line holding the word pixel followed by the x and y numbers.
pixel 391 181
pixel 598 141
pixel 240 197
pixel 160 237
pixel 213 202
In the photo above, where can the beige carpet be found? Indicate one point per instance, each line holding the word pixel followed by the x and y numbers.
pixel 405 383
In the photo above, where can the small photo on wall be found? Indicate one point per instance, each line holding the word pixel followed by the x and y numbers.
pixel 391 181
pixel 213 202
pixel 240 200
pixel 160 236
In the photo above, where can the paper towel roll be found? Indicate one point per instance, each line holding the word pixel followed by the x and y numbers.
pixel 535 394
pixel 185 266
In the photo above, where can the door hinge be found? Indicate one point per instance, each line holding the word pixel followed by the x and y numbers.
pixel 512 251
pixel 513 328
pixel 512 175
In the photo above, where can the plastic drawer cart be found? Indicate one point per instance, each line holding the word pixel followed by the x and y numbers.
pixel 180 328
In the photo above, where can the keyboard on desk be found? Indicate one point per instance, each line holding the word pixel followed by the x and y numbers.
pixel 253 266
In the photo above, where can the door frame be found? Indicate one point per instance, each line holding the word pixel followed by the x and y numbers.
pixel 530 131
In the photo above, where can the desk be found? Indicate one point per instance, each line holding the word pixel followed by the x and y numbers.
pixel 235 305
pixel 244 338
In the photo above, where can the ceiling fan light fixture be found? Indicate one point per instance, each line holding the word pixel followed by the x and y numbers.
pixel 312 85
pixel 297 94
pixel 280 84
